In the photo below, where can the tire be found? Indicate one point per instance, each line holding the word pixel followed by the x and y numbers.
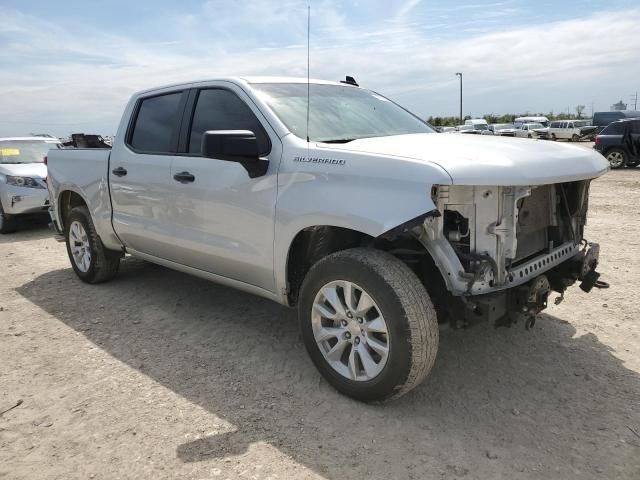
pixel 575 138
pixel 8 223
pixel 530 136
pixel 617 158
pixel 553 137
pixel 100 264
pixel 398 298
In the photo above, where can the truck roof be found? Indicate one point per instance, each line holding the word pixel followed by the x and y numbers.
pixel 248 80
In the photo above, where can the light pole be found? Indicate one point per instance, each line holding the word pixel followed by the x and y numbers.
pixel 460 75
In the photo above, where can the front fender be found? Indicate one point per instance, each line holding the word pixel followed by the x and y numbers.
pixel 369 194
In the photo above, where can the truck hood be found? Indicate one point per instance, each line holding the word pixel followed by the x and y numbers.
pixel 33 170
pixel 490 160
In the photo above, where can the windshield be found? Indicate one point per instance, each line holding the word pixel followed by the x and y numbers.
pixel 25 151
pixel 337 113
pixel 535 125
pixel 503 126
pixel 481 126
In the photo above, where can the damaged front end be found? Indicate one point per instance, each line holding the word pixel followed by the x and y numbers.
pixel 502 250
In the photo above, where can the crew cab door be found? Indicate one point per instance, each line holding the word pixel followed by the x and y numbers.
pixel 140 174
pixel 224 219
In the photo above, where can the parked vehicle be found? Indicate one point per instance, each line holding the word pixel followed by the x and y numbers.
pixel 603 119
pixel 518 122
pixel 619 142
pixel 447 129
pixel 572 130
pixel 503 129
pixel 476 121
pixel 475 128
pixel 370 224
pixel 531 130
pixel 23 188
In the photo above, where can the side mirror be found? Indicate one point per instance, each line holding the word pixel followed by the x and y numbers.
pixel 235 146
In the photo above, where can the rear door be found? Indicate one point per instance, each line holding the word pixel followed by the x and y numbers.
pixel 634 130
pixel 224 219
pixel 140 174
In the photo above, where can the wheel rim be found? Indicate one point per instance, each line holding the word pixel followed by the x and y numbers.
pixel 615 159
pixel 350 330
pixel 79 245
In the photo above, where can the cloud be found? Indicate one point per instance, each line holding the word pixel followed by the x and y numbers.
pixel 63 78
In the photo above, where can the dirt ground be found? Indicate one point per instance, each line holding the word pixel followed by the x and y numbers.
pixel 161 375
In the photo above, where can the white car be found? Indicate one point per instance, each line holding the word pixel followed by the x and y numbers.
pixel 476 129
pixel 374 227
pixel 503 129
pixel 23 173
pixel 567 129
pixel 531 130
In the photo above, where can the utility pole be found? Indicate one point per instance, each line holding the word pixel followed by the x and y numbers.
pixel 458 74
pixel 634 99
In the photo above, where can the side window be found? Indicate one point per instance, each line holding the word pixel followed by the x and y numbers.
pixel 614 129
pixel 635 126
pixel 570 125
pixel 218 109
pixel 155 123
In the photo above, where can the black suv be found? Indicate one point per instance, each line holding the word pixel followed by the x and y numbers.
pixel 620 143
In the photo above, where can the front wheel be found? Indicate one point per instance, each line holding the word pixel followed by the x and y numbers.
pixel 368 324
pixel 553 137
pixel 617 158
pixel 7 222
pixel 91 261
pixel 575 138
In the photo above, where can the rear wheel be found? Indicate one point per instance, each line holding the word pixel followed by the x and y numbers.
pixel 368 324
pixel 91 261
pixel 617 158
pixel 8 223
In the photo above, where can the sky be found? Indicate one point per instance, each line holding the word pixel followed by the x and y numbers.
pixel 70 66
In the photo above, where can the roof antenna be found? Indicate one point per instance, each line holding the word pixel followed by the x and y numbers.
pixel 308 67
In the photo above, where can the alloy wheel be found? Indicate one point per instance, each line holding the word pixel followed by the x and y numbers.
pixel 616 159
pixel 350 330
pixel 80 247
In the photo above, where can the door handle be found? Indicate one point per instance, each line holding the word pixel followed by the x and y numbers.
pixel 184 177
pixel 119 172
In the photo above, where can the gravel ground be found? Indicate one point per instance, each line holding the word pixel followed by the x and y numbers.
pixel 161 375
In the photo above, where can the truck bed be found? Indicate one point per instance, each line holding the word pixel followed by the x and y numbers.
pixel 84 171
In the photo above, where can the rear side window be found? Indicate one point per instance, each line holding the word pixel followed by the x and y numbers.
pixel 605 118
pixel 156 123
pixel 219 109
pixel 616 128
pixel 635 126
pixel 555 125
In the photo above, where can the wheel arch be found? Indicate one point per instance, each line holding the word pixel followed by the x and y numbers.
pixel 68 199
pixel 312 243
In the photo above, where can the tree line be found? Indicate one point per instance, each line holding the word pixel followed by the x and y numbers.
pixel 507 118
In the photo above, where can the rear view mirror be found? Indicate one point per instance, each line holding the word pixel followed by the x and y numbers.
pixel 235 146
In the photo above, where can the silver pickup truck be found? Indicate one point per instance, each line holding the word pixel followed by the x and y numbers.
pixel 333 199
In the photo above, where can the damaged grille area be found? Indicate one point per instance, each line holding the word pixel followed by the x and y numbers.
pixel 494 231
